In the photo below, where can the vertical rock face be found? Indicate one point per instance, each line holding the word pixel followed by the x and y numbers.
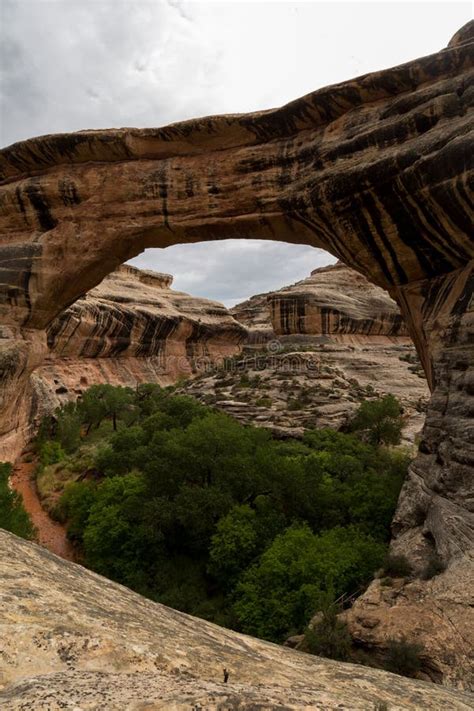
pixel 135 314
pixel 335 300
pixel 435 506
pixel 377 170
pixel 435 515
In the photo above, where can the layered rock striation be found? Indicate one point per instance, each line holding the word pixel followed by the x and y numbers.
pixel 72 639
pixel 335 301
pixel 314 351
pixel 132 328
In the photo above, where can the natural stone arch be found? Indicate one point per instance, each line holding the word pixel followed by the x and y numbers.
pixel 376 170
pixel 373 170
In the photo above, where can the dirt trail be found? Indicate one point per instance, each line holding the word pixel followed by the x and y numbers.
pixel 50 534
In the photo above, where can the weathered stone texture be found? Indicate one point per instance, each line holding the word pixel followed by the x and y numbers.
pixel 438 614
pixel 328 342
pixel 131 328
pixel 335 301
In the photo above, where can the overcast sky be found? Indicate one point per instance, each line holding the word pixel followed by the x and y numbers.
pixel 67 65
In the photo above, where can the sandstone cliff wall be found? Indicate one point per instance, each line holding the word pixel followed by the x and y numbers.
pixel 335 300
pixel 130 329
pixel 314 351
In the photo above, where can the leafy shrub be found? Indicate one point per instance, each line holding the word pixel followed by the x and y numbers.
pixel 329 637
pixel 379 421
pixel 68 427
pixel 245 381
pixel 51 452
pixel 74 506
pixel 404 657
pixel 264 402
pixel 13 516
pixel 295 404
pixel 433 567
pixel 397 566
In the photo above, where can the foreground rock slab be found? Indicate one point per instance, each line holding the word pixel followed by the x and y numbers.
pixel 71 639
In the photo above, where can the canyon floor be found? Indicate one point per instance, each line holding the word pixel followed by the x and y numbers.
pixel 49 534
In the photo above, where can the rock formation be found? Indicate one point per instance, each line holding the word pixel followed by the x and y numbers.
pixel 335 301
pixel 314 351
pixel 72 639
pixel 377 170
pixel 131 328
pixel 436 613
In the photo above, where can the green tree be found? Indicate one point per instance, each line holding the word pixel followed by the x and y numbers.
pixel 148 398
pixel 117 402
pixel 74 507
pixel 68 427
pixel 92 407
pixel 192 508
pixel 278 596
pixel 183 409
pixel 13 516
pixel 234 545
pixel 379 421
pixel 101 401
pixel 126 451
pixel 116 543
pixel 50 452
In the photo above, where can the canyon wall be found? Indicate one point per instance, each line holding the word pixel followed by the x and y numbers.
pixel 334 301
pixel 377 170
pixel 131 328
pixel 314 351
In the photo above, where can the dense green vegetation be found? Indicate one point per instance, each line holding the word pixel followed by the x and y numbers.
pixel 379 421
pixel 189 507
pixel 13 516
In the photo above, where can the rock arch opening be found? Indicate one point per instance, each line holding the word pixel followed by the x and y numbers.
pixel 376 170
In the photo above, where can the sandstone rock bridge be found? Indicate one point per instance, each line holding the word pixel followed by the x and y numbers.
pixel 377 170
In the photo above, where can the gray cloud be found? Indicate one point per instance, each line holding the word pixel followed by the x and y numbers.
pixel 67 65
pixel 232 270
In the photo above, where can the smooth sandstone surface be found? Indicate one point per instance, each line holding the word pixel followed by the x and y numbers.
pixel 70 639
